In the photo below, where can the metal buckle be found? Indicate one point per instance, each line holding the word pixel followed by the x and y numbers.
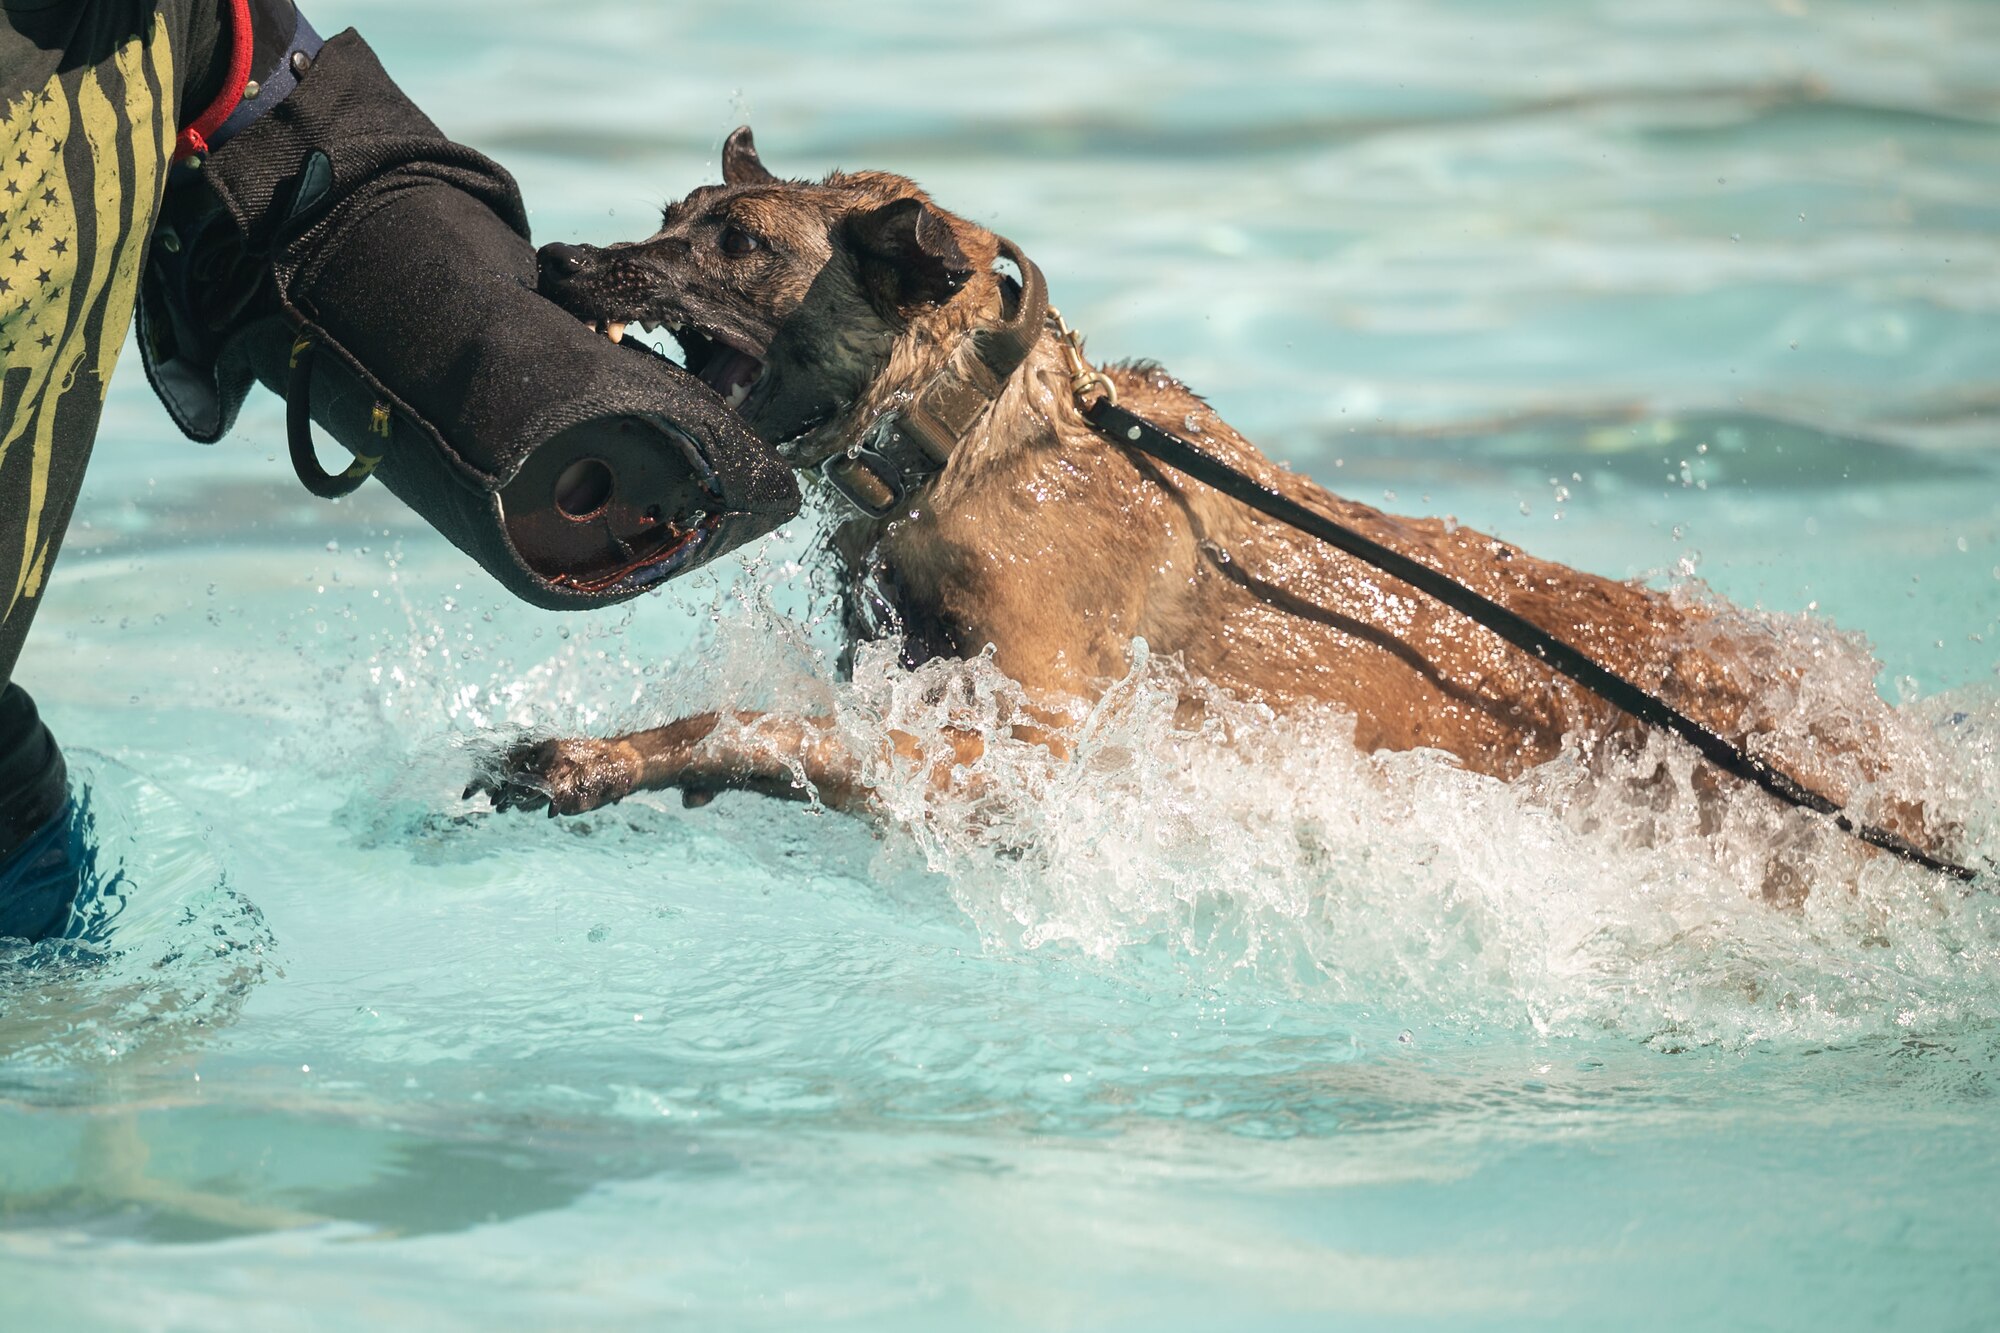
pixel 839 470
pixel 1084 379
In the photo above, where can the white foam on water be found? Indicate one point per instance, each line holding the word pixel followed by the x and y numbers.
pixel 1269 855
pixel 1268 851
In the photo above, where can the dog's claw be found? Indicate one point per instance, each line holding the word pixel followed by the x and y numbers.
pixel 694 798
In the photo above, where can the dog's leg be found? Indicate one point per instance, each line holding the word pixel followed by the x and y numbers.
pixel 795 759
pixel 783 757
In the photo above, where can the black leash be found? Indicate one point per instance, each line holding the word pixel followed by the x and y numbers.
pixel 1135 432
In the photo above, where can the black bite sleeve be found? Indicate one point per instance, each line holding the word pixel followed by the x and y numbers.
pixel 345 253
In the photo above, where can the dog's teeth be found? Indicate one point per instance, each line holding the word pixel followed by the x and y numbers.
pixel 615 330
pixel 738 394
pixel 649 326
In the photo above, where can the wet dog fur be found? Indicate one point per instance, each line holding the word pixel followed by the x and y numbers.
pixel 819 306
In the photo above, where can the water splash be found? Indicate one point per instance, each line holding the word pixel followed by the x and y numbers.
pixel 1270 852
pixel 164 948
pixel 1268 857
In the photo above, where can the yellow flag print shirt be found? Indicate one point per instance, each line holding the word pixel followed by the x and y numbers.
pixel 92 94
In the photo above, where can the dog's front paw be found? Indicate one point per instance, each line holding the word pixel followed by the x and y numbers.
pixel 567 776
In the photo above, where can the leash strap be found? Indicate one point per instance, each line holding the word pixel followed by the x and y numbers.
pixel 193 139
pixel 242 103
pixel 1123 427
pixel 277 85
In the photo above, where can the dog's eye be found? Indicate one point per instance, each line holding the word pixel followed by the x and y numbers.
pixel 737 242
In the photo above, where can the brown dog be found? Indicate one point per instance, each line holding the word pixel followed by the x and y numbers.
pixel 819 308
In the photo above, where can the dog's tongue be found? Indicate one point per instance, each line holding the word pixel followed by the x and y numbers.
pixel 731 373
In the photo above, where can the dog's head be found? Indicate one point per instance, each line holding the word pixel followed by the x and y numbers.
pixel 787 297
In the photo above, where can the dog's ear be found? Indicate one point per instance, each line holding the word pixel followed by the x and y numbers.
pixel 907 255
pixel 740 163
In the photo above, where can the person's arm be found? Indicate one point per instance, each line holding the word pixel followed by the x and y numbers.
pixel 340 249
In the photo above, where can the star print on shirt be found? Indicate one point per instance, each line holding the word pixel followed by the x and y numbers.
pixel 63 311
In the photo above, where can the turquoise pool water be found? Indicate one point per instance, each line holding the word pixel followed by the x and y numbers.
pixel 1173 1039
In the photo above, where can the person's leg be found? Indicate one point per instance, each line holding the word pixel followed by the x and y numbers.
pixel 41 860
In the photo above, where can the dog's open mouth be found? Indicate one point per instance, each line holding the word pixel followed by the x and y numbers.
pixel 716 361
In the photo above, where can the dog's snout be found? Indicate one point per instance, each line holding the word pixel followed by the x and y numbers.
pixel 558 261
